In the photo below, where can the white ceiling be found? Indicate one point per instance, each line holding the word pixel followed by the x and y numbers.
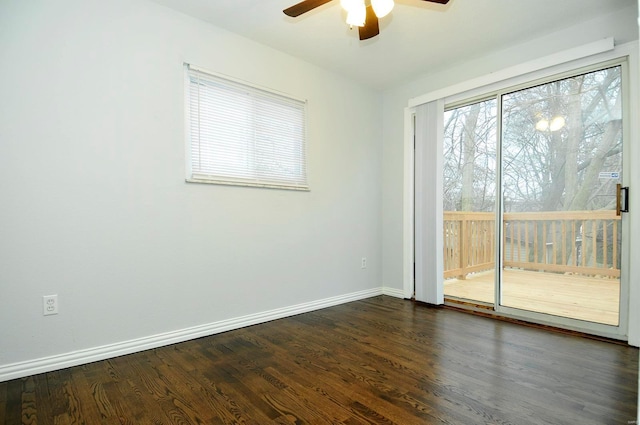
pixel 415 38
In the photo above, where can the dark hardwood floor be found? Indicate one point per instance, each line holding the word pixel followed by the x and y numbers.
pixel 381 360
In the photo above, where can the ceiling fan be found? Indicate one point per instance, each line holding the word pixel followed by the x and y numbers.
pixel 361 14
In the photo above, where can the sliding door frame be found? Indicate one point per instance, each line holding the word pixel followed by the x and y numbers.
pixel 563 63
pixel 621 330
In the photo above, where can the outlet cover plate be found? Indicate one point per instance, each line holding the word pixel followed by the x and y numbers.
pixel 49 305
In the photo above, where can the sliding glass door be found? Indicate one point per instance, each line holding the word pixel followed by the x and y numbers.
pixel 531 184
pixel 561 162
pixel 469 192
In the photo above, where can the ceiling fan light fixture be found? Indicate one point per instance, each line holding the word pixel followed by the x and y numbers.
pixel 357 15
pixel 382 7
pixel 350 5
pixel 361 13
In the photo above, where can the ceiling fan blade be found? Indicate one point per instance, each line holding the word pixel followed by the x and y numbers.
pixel 303 7
pixel 371 27
pixel 438 1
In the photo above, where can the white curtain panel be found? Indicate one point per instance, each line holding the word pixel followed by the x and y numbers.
pixel 429 266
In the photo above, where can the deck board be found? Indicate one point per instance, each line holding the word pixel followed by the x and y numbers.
pixel 594 299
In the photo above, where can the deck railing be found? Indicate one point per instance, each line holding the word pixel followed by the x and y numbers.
pixel 580 242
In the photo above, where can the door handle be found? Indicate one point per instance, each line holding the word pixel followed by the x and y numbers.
pixel 622 202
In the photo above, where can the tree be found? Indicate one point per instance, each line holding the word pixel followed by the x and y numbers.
pixel 469 157
pixel 552 169
pixel 556 140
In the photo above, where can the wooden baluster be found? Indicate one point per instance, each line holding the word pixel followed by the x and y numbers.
pixel 453 243
pixel 445 248
pixel 493 243
pixel 513 236
pixel 544 242
pixel 564 241
pixel 583 234
pixel 476 240
pixel 463 246
pixel 487 242
pixel 535 241
pixel 517 240
pixel 554 251
pixel 594 239
pixel 574 248
pixel 614 259
pixel 604 244
pixel 504 238
pixel 471 243
pixel 526 241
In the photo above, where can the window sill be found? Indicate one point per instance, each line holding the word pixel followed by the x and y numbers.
pixel 249 184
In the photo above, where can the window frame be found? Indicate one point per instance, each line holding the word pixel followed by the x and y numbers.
pixel 193 176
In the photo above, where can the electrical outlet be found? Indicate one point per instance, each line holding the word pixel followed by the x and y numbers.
pixel 49 305
pixel 364 263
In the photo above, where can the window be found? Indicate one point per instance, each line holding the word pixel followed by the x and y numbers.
pixel 242 135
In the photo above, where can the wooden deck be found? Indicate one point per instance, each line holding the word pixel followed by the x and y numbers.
pixel 594 299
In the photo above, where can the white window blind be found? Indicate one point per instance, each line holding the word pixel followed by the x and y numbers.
pixel 243 135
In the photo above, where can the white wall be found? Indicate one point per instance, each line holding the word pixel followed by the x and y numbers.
pixel 620 25
pixel 95 207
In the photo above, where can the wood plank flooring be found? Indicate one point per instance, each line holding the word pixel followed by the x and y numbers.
pixel 378 361
pixel 594 299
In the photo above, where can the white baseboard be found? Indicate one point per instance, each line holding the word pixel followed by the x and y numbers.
pixel 393 292
pixel 75 358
